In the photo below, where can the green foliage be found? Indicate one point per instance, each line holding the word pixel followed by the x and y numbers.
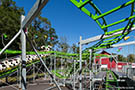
pixel 131 58
pixel 63 45
pixel 41 33
pixel 121 58
pixel 10 21
pixel 10 24
pixel 75 49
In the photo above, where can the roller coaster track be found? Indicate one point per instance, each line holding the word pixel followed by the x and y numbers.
pixel 99 18
pixel 68 72
pixel 111 78
pixel 14 69
pixel 11 69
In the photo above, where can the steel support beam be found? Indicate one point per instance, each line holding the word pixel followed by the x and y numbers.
pixel 10 42
pixel 43 63
pixel 34 73
pixel 90 63
pixel 35 10
pixel 74 73
pixel 23 71
pixel 80 79
pixel 118 45
pixel 96 38
pixel 123 44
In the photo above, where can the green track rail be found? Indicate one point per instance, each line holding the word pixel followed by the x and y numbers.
pixel 12 70
pixel 109 81
pixel 99 17
pixel 66 72
pixel 56 54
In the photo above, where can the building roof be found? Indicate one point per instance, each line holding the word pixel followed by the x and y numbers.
pixel 105 52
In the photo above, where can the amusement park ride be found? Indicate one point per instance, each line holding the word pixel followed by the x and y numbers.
pixel 75 70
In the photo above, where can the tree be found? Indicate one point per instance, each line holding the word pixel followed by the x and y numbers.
pixel 121 58
pixel 63 45
pixel 75 49
pixel 10 21
pixel 131 58
pixel 40 31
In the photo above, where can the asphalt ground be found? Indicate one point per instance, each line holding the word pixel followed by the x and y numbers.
pixel 38 85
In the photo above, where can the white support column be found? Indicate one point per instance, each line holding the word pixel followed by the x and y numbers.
pixel 74 75
pixel 85 73
pixel 90 62
pixel 51 66
pixel 100 60
pixel 80 79
pixel 45 74
pixel 61 81
pixel 18 77
pixel 55 66
pixel 20 85
pixel 94 64
pixel 23 42
pixel 65 74
pixel 61 69
pixel 33 73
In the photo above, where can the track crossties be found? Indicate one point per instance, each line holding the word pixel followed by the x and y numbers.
pixel 125 24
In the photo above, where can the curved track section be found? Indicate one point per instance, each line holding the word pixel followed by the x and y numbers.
pixel 11 65
pixel 99 18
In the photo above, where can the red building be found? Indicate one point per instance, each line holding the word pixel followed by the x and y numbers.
pixel 121 64
pixel 110 62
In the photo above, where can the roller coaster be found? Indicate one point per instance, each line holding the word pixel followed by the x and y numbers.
pixel 74 72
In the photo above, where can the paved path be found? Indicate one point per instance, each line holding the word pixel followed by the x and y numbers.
pixel 120 74
pixel 100 75
pixel 39 85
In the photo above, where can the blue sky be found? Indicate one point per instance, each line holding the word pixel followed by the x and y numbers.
pixel 72 23
pixel 67 20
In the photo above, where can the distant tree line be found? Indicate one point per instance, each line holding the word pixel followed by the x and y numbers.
pixel 128 58
pixel 63 46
